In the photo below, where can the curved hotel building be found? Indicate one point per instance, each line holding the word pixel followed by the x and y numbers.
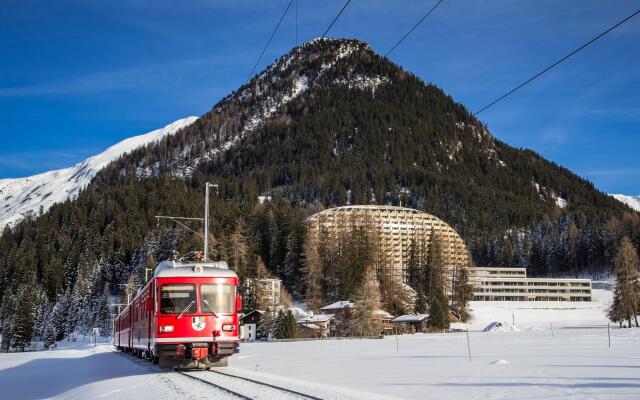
pixel 398 227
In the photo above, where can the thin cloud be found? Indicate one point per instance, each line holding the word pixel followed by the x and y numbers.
pixel 615 172
pixel 154 76
pixel 34 162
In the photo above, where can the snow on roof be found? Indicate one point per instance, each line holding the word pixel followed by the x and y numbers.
pixel 382 313
pixel 411 318
pixel 320 318
pixel 339 305
pixel 299 313
pixel 252 312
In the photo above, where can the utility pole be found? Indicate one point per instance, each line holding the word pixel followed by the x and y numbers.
pixel 205 220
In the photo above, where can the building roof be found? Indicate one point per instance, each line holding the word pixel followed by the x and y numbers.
pixel 339 305
pixel 252 312
pixel 368 207
pixel 382 314
pixel 320 318
pixel 411 318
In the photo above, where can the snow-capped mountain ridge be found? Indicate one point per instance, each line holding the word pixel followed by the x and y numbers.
pixel 631 201
pixel 20 197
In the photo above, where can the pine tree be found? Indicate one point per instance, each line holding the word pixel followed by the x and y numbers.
pixel 462 294
pixel 280 326
pixel 239 249
pixel 23 320
pixel 420 306
pixel 294 259
pixel 7 314
pixel 313 273
pixel 292 325
pixel 414 267
pixel 439 311
pixel 626 299
pixel 367 301
pixel 266 326
pixel 49 335
pixel 434 268
pixel 43 314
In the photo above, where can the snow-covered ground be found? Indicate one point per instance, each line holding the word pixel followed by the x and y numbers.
pixel 573 361
pixel 92 373
pixel 20 196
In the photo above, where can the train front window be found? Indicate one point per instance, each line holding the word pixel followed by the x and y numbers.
pixel 217 298
pixel 176 299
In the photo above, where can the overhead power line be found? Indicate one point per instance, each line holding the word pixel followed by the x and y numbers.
pixel 228 165
pixel 555 64
pixel 335 19
pixel 270 39
pixel 409 32
pixel 413 28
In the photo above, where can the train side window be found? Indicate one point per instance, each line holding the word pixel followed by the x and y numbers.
pixel 178 298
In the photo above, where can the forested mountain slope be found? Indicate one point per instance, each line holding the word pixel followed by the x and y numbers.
pixel 330 123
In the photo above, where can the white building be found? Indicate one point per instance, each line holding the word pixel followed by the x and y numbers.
pixel 512 284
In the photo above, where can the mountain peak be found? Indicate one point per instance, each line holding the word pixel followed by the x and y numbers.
pixel 320 63
pixel 21 197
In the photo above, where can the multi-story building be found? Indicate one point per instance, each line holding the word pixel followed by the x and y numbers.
pixel 270 289
pixel 397 228
pixel 512 284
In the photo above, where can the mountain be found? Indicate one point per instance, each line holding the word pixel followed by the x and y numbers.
pixel 631 201
pixel 27 196
pixel 330 123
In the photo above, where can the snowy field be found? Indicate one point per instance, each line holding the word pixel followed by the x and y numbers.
pixel 573 361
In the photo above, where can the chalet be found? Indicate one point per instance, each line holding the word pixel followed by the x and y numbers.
pixel 411 323
pixel 383 319
pixel 249 324
pixel 317 326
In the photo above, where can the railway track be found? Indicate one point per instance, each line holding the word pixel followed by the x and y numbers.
pixel 265 390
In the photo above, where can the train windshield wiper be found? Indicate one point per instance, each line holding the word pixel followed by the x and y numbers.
pixel 186 309
pixel 211 308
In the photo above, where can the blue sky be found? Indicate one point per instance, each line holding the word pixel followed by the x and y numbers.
pixel 78 76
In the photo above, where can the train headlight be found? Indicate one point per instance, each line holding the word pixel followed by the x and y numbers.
pixel 228 327
pixel 166 328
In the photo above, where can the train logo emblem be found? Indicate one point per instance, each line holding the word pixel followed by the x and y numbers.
pixel 198 323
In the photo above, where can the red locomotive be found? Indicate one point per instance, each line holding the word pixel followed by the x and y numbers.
pixel 185 316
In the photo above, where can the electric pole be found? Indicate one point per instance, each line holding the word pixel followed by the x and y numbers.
pixel 205 237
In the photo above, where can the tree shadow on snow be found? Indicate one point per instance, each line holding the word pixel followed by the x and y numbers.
pixel 50 377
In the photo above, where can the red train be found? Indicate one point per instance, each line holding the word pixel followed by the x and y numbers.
pixel 185 316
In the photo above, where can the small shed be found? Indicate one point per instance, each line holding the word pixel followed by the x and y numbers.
pixel 411 323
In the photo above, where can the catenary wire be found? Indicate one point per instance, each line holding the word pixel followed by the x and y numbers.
pixel 335 19
pixel 270 39
pixel 409 32
pixel 577 50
